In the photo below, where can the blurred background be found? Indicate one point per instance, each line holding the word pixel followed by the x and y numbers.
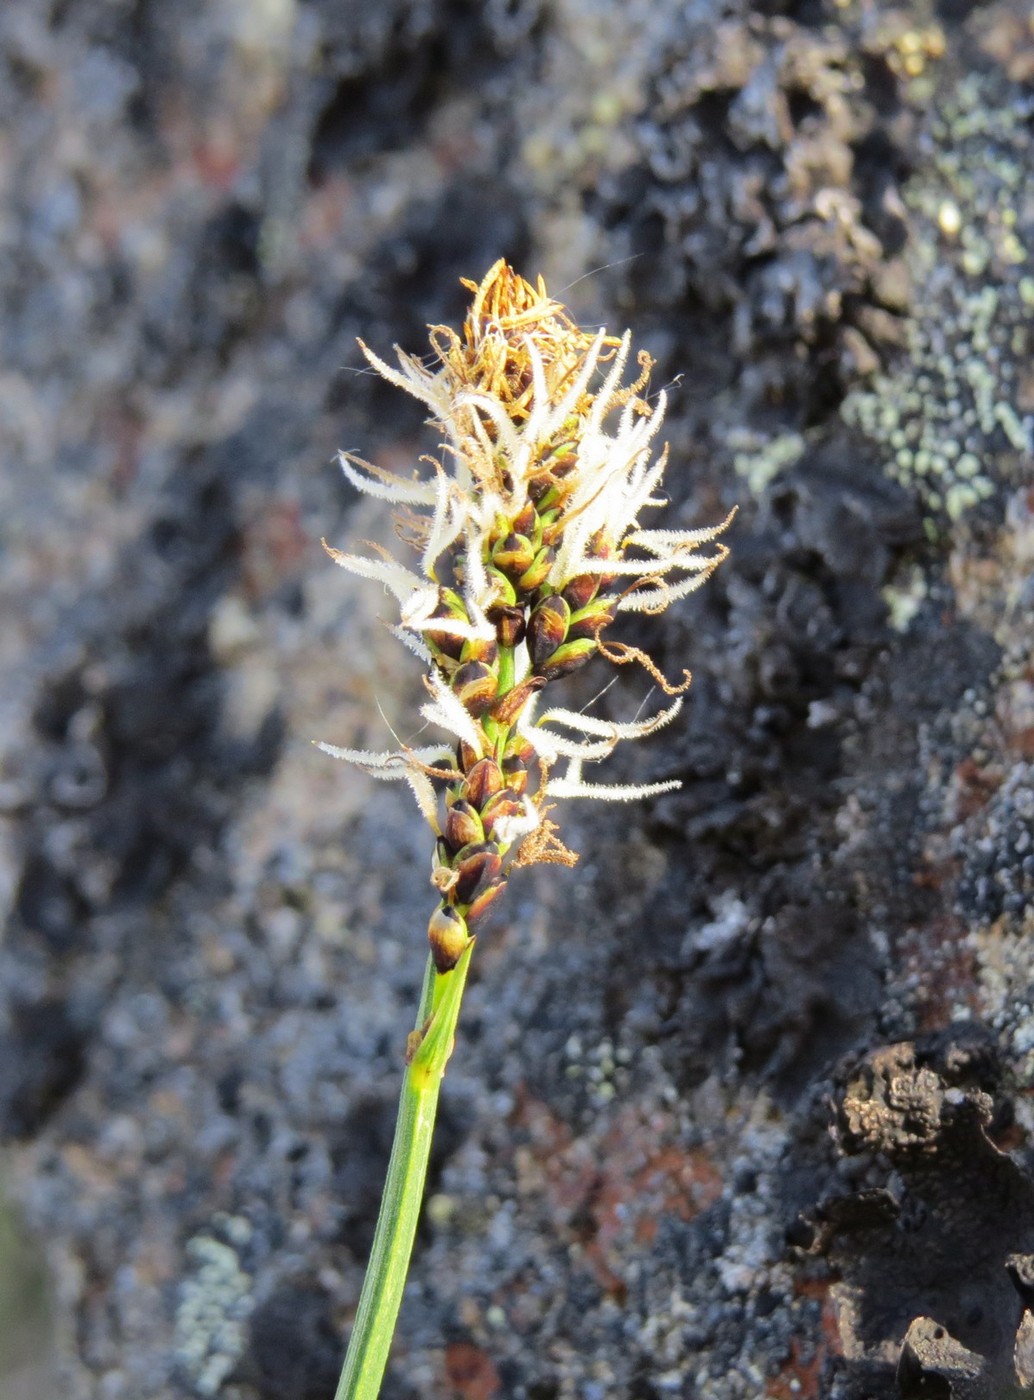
pixel 741 1106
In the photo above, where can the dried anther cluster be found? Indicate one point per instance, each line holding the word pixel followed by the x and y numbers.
pixel 529 545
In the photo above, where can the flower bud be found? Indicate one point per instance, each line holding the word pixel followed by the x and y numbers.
pixel 508 706
pixel 476 685
pixel 515 771
pixel 568 658
pixel 448 936
pixel 485 898
pixel 517 746
pixel 449 608
pixel 551 493
pixel 538 571
pixel 503 804
pixel 523 522
pixel 601 548
pixel 463 825
pixel 581 590
pixel 476 866
pixel 483 781
pixel 547 629
pixel 509 625
pixel 466 757
pixel 479 649
pixel 590 620
pixel 514 555
pixel 504 594
pixel 443 877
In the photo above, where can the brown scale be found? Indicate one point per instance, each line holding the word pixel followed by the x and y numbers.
pixel 510 624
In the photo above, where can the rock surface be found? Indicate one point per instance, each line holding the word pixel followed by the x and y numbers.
pixel 742 1105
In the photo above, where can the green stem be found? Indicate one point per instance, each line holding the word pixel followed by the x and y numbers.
pixel 507 669
pixel 386 1272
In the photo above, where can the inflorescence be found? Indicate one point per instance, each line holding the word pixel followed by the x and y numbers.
pixel 529 544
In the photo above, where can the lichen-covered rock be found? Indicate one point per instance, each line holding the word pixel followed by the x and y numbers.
pixel 930 1243
pixel 818 216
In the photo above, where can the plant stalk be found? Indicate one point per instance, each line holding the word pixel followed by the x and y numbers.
pixel 379 1302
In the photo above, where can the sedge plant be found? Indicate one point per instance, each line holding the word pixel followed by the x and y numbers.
pixel 525 543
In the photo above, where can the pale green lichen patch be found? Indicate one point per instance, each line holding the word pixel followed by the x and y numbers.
pixel 759 459
pixel 215 1304
pixel 904 598
pixel 950 417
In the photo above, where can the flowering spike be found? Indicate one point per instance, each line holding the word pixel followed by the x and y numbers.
pixel 529 542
